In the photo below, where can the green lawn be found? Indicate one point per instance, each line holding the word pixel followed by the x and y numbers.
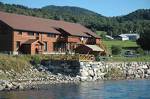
pixel 145 58
pixel 120 43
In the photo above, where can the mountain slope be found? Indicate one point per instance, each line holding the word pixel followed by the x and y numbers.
pixel 72 14
pixel 141 14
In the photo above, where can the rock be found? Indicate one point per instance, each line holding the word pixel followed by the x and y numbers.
pixel 148 71
pixel 20 87
pixel 91 73
pixel 84 73
pixel 2 87
pixel 130 72
pixel 140 71
pixel 137 76
pixel 83 78
pixel 144 67
pixel 9 85
pixel 146 76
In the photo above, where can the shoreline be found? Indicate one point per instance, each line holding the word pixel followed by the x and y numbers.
pixel 37 85
pixel 87 72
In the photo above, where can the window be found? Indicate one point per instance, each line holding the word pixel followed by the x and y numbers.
pixel 31 33
pixel 17 44
pixel 51 35
pixel 37 34
pixel 19 33
pixel 45 46
pixel 61 47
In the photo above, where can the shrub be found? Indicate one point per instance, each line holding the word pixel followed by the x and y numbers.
pixel 114 73
pixel 116 49
pixel 140 51
pixel 36 59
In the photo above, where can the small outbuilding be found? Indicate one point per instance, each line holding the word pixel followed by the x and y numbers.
pixel 89 49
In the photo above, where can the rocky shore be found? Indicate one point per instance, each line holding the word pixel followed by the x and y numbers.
pixel 29 79
pixel 72 72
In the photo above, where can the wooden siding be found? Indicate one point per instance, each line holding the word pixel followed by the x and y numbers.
pixel 5 37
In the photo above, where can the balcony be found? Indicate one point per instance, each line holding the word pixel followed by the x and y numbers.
pixel 62 39
pixel 91 41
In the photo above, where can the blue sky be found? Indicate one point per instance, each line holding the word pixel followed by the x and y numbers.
pixel 104 7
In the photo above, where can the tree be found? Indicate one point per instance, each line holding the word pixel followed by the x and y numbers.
pixel 102 34
pixel 144 40
pixel 116 49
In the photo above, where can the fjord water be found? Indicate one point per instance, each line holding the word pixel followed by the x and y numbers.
pixel 125 89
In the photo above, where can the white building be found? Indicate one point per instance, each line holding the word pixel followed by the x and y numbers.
pixel 123 37
pixel 109 37
pixel 129 36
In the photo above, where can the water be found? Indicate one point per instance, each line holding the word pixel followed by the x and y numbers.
pixel 126 89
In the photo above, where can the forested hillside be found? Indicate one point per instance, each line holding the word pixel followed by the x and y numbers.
pixel 134 22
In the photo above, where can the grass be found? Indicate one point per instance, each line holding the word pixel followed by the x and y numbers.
pixel 8 62
pixel 145 58
pixel 19 63
pixel 119 43
pixel 108 44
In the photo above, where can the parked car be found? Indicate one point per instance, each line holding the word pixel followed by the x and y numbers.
pixel 130 53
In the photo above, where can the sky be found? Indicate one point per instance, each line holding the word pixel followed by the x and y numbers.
pixel 104 7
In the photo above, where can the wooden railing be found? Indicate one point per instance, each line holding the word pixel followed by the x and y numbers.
pixel 76 57
pixel 86 57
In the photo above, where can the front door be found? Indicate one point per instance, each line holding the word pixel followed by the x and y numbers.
pixel 38 49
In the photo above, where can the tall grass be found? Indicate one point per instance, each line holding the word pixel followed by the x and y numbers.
pixel 18 64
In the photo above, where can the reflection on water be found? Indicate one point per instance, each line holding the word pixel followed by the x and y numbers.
pixel 133 89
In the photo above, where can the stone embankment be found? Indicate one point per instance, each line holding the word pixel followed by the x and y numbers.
pixel 51 72
pixel 29 79
pixel 114 70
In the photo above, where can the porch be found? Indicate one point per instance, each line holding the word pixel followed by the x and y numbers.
pixel 32 46
pixel 64 47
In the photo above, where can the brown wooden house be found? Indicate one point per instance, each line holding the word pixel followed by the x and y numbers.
pixel 32 35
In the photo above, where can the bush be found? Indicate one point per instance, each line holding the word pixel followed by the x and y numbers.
pixel 114 73
pixel 140 51
pixel 36 59
pixel 115 49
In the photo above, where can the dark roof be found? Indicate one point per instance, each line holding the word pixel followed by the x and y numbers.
pixel 29 23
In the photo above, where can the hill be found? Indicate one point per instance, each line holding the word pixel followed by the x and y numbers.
pixel 134 22
pixel 141 14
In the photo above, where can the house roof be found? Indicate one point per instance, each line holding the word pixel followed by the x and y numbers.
pixel 73 28
pixel 123 36
pixel 95 48
pixel 131 35
pixel 29 23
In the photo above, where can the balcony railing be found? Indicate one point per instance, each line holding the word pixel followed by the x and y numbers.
pixel 75 57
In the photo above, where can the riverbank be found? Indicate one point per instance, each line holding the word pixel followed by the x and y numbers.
pixel 19 73
pixel 89 71
pixel 30 79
